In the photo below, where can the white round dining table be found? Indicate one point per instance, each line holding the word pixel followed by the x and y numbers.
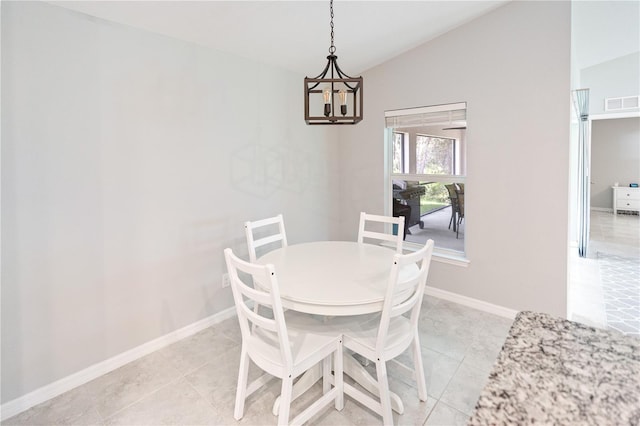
pixel 333 278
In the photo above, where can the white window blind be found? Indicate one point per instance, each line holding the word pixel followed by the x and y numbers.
pixel 446 115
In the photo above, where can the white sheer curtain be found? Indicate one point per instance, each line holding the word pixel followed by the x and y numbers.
pixel 581 105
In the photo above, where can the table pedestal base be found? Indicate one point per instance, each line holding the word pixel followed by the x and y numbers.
pixel 357 372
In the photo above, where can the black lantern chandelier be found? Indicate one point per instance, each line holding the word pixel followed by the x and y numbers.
pixel 332 88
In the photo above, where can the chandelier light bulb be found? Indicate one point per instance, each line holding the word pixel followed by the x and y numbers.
pixel 343 96
pixel 326 94
pixel 343 101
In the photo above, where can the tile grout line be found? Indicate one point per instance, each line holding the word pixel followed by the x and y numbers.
pixel 171 382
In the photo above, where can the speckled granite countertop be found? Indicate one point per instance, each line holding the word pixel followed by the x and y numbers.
pixel 554 371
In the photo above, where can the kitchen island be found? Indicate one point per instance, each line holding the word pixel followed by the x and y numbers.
pixel 554 371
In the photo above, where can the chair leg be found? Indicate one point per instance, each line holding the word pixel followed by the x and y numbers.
pixel 419 369
pixel 385 397
pixel 338 379
pixel 241 390
pixel 285 400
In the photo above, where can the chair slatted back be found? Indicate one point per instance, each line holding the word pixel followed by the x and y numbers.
pixel 254 243
pixel 405 290
pixel 251 320
pixel 451 188
pixel 382 236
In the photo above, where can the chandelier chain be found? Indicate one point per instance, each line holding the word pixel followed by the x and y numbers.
pixel 332 49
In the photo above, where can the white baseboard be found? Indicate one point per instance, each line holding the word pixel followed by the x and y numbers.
pixel 472 303
pixel 45 393
pixel 602 209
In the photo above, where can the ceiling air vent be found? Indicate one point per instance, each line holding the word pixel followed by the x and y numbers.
pixel 617 104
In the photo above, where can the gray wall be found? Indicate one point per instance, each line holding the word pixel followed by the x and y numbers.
pixel 612 79
pixel 129 161
pixel 517 148
pixel 615 157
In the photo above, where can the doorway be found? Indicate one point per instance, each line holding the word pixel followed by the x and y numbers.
pixel 604 288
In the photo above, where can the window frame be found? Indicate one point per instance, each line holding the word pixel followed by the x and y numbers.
pixel 404 148
pixel 443 255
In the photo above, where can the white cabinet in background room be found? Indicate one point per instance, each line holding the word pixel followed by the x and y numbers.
pixel 626 198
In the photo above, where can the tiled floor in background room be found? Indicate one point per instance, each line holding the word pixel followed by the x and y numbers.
pixel 193 381
pixel 605 286
pixel 621 284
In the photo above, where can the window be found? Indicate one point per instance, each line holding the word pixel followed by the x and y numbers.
pixel 427 173
pixel 435 155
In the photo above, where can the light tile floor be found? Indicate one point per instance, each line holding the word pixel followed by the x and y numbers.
pixel 193 381
pixel 605 286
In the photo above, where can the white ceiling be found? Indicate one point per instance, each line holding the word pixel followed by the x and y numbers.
pixel 295 34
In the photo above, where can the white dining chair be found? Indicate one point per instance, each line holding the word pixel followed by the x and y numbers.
pixel 381 236
pixel 255 233
pixel 279 344
pixel 389 337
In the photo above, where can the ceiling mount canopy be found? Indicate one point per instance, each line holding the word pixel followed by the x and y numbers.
pixel 332 88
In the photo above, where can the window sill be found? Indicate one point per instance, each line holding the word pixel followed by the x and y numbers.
pixel 442 255
pixel 456 258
